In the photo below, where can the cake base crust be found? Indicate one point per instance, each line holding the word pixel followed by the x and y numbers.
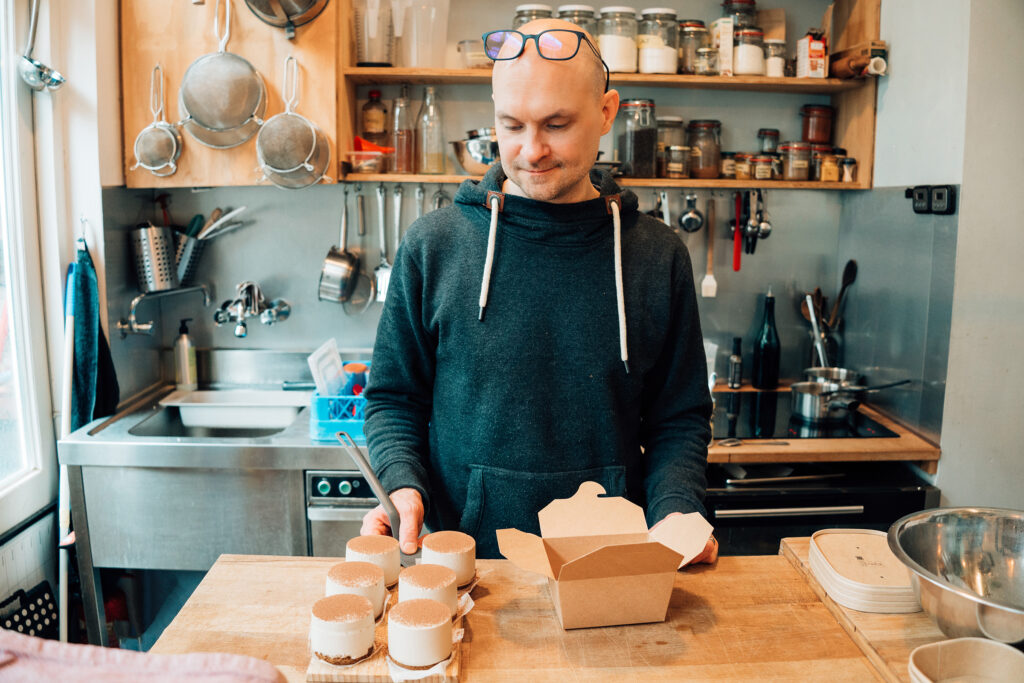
pixel 416 668
pixel 343 661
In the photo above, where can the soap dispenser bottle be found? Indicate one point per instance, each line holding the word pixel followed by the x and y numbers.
pixel 185 375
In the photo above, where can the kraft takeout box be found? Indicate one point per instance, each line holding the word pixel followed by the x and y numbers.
pixel 604 566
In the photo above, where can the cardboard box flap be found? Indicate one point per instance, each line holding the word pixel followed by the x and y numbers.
pixel 686 534
pixel 526 551
pixel 635 559
pixel 588 514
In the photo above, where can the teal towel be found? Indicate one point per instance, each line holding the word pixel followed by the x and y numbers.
pixel 95 392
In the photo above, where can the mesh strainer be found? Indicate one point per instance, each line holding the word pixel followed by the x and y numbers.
pixel 158 145
pixel 292 152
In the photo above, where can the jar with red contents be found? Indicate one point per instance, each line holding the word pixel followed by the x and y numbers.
pixel 817 123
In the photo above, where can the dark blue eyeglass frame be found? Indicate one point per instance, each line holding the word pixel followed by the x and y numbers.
pixel 504 34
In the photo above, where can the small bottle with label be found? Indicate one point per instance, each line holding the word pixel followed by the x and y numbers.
pixel 185 376
pixel 375 120
pixel 736 364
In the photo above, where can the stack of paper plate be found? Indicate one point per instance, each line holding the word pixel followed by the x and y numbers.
pixel 857 570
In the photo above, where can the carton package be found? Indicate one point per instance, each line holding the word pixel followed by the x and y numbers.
pixel 721 37
pixel 604 566
pixel 811 57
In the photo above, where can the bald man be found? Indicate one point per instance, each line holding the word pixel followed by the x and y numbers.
pixel 541 332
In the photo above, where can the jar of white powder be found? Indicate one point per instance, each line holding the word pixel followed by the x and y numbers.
pixel 616 38
pixel 658 41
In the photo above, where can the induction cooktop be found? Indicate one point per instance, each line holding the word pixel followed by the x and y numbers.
pixel 767 415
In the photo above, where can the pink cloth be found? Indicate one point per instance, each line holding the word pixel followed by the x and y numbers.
pixel 30 659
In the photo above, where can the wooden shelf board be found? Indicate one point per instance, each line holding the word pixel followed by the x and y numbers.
pixel 625 182
pixel 363 75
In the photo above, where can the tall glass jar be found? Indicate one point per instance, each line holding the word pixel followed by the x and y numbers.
pixel 581 15
pixel 658 41
pixel 403 134
pixel 796 160
pixel 430 149
pixel 527 13
pixel 670 133
pixel 703 137
pixel 637 133
pixel 748 53
pixel 743 12
pixel 693 36
pixel 774 57
pixel 616 38
pixel 769 138
pixel 818 152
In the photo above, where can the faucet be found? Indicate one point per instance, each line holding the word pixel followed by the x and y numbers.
pixel 249 302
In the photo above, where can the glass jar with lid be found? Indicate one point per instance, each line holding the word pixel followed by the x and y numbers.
pixel 743 12
pixel 761 167
pixel 796 160
pixel 703 137
pixel 637 135
pixel 581 15
pixel 693 35
pixel 707 62
pixel 527 13
pixel 829 168
pixel 677 161
pixel 769 138
pixel 670 133
pixel 817 153
pixel 748 52
pixel 728 164
pixel 657 41
pixel 817 123
pixel 616 38
pixel 742 166
pixel 774 57
pixel 848 171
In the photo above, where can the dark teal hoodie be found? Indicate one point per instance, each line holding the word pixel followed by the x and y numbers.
pixel 491 412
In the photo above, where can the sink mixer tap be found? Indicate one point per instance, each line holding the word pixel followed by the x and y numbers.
pixel 249 302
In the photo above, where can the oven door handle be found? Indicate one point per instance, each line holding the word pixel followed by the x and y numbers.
pixel 336 514
pixel 790 512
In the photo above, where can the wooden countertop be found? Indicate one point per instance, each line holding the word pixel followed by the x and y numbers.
pixel 885 639
pixel 744 618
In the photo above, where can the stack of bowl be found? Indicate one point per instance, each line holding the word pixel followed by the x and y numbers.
pixel 478 151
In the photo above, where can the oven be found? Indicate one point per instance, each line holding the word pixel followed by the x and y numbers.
pixel 336 501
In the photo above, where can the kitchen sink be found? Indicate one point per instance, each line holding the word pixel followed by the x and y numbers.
pixel 167 422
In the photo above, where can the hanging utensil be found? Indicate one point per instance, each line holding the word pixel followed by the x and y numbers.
pixel 421 195
pixel 764 229
pixel 37 75
pixel 663 203
pixel 818 345
pixel 737 232
pixel 397 217
pixel 158 145
pixel 340 271
pixel 297 13
pixel 753 225
pixel 849 276
pixel 692 219
pixel 360 210
pixel 441 198
pixel 708 286
pixel 382 274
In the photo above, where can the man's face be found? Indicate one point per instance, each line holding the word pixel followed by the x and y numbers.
pixel 550 117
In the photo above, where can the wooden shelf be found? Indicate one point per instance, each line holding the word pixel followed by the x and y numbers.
pixel 718 183
pixel 822 86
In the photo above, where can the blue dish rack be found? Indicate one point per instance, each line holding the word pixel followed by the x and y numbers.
pixel 329 415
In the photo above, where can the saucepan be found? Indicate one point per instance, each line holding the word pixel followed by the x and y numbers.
pixel 841 376
pixel 823 401
pixel 340 271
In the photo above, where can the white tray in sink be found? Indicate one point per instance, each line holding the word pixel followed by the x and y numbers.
pixel 238 408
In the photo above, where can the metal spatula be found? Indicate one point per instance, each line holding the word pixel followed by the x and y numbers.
pixel 378 490
pixel 382 273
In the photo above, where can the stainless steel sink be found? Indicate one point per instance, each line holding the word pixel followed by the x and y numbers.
pixel 167 422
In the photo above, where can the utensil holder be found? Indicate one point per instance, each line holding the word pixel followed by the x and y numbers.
pixel 186 257
pixel 153 250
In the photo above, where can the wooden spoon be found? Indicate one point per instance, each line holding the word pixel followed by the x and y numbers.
pixel 849 276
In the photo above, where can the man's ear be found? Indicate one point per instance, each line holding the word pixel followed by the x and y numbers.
pixel 609 108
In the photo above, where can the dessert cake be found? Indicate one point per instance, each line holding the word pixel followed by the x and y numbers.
pixel 359 578
pixel 379 550
pixel 341 629
pixel 431 582
pixel 452 549
pixel 419 633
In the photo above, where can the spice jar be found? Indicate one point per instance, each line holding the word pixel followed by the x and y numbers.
pixel 796 160
pixel 849 170
pixel 728 165
pixel 743 12
pixel 637 138
pixel 817 123
pixel 748 54
pixel 670 132
pixel 693 35
pixel 829 168
pixel 769 138
pixel 774 57
pixel 707 62
pixel 616 38
pixel 657 41
pixel 581 15
pixel 677 161
pixel 776 166
pixel 742 166
pixel 527 13
pixel 761 168
pixel 703 139
pixel 817 152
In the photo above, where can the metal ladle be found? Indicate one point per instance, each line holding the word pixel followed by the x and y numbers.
pixel 37 75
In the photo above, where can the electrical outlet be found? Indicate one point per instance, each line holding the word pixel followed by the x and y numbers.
pixel 943 199
pixel 921 198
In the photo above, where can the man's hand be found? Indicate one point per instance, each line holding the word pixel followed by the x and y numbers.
pixel 709 555
pixel 409 504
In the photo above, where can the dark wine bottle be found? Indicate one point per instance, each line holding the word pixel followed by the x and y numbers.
pixel 767 350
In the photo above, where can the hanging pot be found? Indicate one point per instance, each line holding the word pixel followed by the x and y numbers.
pixel 340 271
pixel 286 14
pixel 158 145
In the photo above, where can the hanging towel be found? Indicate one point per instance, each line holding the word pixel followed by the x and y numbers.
pixel 95 392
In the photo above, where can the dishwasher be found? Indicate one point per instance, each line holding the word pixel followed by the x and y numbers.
pixel 336 501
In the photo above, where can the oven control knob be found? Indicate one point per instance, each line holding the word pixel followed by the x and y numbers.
pixel 323 487
pixel 345 487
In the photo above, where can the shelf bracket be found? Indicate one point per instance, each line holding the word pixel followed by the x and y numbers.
pixel 133 326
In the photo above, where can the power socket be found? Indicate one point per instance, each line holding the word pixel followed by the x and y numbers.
pixel 921 198
pixel 943 199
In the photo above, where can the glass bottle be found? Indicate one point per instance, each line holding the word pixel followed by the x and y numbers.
pixel 403 134
pixel 736 364
pixel 429 135
pixel 375 120
pixel 767 349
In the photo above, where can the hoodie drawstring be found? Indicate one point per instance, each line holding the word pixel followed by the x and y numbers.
pixel 492 236
pixel 619 297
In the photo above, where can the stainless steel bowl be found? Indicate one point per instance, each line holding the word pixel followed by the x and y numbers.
pixel 967 568
pixel 476 155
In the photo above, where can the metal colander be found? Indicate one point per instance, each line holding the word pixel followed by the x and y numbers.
pixel 158 145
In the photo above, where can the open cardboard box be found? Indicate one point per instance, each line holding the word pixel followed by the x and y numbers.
pixel 604 566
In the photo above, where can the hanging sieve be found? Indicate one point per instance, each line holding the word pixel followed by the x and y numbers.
pixel 222 97
pixel 158 145
pixel 291 150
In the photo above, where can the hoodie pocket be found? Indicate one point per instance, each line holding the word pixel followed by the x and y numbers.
pixel 499 499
